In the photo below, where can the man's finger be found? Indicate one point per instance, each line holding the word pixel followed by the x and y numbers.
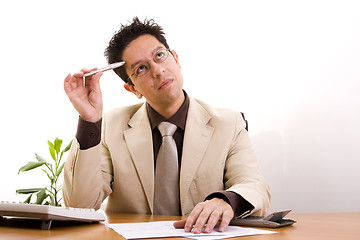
pixel 202 220
pixel 93 81
pixel 213 220
pixel 67 83
pixel 180 224
pixel 194 215
pixel 225 221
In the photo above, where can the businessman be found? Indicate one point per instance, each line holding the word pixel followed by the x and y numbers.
pixel 204 166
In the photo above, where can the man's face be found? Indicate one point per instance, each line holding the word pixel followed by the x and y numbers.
pixel 162 83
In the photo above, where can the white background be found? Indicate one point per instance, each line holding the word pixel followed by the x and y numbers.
pixel 293 67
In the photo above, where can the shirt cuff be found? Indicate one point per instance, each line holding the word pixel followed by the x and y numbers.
pixel 236 201
pixel 88 134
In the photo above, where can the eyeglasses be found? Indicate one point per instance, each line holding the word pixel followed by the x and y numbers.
pixel 143 68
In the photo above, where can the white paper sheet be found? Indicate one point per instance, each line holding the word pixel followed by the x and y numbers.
pixel 166 229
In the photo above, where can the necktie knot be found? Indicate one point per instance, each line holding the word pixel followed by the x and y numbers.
pixel 166 129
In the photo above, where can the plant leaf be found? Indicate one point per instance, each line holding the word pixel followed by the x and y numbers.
pixel 30 165
pixel 28 199
pixel 52 150
pixel 28 190
pixel 68 147
pixel 59 170
pixel 65 150
pixel 46 173
pixel 57 145
pixel 40 196
pixel 40 158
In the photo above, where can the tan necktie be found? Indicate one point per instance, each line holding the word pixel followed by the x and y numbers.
pixel 166 196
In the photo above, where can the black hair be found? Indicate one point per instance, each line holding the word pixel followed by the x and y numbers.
pixel 125 35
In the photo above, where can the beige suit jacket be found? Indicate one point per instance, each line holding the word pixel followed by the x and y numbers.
pixel 217 155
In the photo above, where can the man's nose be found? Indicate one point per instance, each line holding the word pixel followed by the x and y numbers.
pixel 157 69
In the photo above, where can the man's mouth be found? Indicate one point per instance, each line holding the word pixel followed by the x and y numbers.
pixel 165 83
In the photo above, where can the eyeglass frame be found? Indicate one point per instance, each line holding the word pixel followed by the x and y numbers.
pixel 166 50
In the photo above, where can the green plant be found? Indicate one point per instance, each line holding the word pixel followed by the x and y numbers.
pixel 49 194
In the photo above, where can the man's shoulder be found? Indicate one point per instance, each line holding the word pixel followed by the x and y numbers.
pixel 122 113
pixel 219 117
pixel 215 111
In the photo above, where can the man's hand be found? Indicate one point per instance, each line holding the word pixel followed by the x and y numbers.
pixel 86 98
pixel 209 213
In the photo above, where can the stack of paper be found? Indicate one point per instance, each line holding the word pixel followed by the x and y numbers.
pixel 166 229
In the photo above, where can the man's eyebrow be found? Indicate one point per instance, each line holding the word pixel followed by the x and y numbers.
pixel 152 54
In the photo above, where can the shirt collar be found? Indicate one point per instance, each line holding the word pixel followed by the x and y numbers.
pixel 179 118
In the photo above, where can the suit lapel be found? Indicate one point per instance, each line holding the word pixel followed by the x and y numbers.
pixel 196 140
pixel 139 141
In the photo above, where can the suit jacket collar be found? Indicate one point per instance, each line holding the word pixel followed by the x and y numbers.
pixel 197 137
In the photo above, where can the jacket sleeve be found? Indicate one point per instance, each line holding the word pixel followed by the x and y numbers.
pixel 242 174
pixel 88 175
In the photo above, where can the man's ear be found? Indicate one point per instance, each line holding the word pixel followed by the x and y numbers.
pixel 131 88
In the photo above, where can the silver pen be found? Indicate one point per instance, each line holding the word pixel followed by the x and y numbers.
pixel 111 66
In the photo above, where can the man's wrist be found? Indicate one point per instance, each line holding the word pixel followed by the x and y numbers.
pixel 236 201
pixel 88 133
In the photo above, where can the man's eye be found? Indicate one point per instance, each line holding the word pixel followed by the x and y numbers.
pixel 140 69
pixel 160 55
